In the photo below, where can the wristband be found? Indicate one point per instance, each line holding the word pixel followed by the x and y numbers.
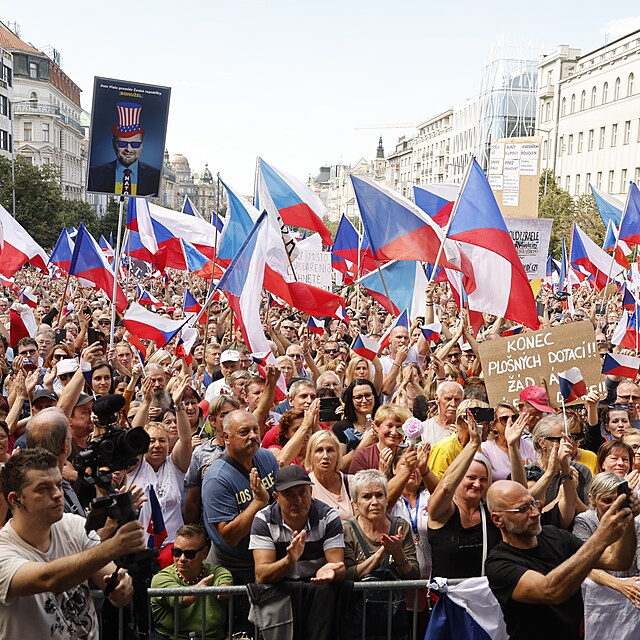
pixel 429 304
pixel 567 477
pixel 404 562
pixel 439 379
pixel 397 365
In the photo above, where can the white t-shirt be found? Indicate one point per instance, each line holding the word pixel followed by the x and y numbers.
pixel 55 616
pixel 386 362
pixel 432 432
pixel 217 388
pixel 168 483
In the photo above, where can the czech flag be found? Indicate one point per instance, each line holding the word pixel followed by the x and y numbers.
pixel 609 207
pixel 26 296
pixel 191 305
pixel 294 201
pixel 22 323
pixel 436 200
pixel 63 251
pixel 315 326
pixel 572 384
pixel 260 358
pixel 630 224
pixel 348 245
pixel 616 364
pixel 90 263
pixel 189 208
pixel 629 301
pixel 512 331
pixel 626 332
pixel 18 247
pixel 151 326
pixel 432 332
pixel 156 528
pixel 366 347
pixel 406 282
pixel 107 249
pixel 144 297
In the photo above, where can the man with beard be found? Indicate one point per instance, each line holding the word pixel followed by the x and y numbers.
pixel 536 572
pixel 161 399
pixel 442 424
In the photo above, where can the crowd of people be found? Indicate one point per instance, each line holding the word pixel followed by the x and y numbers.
pixel 302 476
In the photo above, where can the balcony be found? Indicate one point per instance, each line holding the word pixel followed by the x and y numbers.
pixel 37 108
pixel 546 92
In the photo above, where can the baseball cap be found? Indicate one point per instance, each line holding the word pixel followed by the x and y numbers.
pixel 537 397
pixel 68 365
pixel 291 476
pixel 230 355
pixel 83 399
pixel 45 393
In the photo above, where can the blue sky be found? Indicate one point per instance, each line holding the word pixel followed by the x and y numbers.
pixel 291 81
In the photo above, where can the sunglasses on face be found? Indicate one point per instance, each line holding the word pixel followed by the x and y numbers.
pixel 123 144
pixel 576 437
pixel 190 554
pixel 58 356
pixel 553 439
pixel 505 419
pixel 332 351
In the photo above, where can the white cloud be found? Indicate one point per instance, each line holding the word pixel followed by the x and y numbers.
pixel 322 110
pixel 621 27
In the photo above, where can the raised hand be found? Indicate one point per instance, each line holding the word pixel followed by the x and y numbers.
pixel 296 548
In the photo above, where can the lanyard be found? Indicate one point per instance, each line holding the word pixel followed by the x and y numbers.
pixel 413 519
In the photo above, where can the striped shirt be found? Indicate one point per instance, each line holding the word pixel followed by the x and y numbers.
pixel 324 531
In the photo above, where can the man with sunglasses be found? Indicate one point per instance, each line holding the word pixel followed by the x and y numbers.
pixel 189 569
pixel 536 572
pixel 127 174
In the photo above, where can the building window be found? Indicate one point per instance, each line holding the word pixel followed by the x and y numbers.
pixel 33 70
pixel 561 145
pixel 573 103
pixel 567 184
pixel 4 140
pixel 28 131
pixel 605 92
pixel 616 89
pixel 637 178
pixel 6 74
pixel 614 135
pixel 630 85
pixel 599 180
pixel 627 132
pixel 4 106
pixel 583 101
pixel 570 145
pixel 563 110
pixel 45 132
pixel 602 135
pixel 590 140
pixel 587 181
pixel 580 141
pixel 33 96
pixel 623 181
pixel 612 184
pixel 593 96
pixel 577 190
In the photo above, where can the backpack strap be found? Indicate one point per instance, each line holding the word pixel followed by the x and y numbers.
pixel 236 465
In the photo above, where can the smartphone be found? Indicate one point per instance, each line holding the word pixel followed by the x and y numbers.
pixel 480 414
pixel 94 335
pixel 328 408
pixel 623 489
pixel 61 335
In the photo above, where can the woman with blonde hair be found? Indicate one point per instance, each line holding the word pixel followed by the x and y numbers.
pixel 361 368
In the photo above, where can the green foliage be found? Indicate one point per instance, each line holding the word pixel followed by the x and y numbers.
pixel 558 205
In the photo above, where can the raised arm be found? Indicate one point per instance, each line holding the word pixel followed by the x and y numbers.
pixel 181 453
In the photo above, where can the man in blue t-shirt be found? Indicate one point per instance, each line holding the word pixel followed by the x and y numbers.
pixel 235 487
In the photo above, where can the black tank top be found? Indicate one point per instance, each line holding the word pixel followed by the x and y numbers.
pixel 456 552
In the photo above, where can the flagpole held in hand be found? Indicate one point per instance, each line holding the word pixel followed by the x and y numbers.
pixel 116 265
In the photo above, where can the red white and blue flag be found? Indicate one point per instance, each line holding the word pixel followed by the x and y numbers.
pixel 151 326
pixel 609 207
pixel 626 333
pixel 436 200
pixel 432 332
pixel 18 247
pixel 107 249
pixel 401 321
pixel 63 251
pixel 572 384
pixel 156 528
pixel 512 331
pixel 366 347
pixel 630 224
pixel 28 297
pixel 294 201
pixel 145 297
pixel 617 364
pixel 315 326
pixel 90 263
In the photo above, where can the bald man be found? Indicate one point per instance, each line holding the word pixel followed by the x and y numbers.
pixel 536 572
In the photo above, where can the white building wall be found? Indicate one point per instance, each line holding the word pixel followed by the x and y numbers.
pixel 6 98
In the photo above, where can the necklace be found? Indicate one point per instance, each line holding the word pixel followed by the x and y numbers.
pixel 190 582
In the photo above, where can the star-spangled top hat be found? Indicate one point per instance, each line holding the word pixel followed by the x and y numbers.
pixel 128 120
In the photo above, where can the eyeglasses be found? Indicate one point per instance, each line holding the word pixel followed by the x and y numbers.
pixel 365 396
pixel 190 554
pixel 553 439
pixel 123 144
pixel 453 356
pixel 576 437
pixel 618 406
pixel 27 352
pixel 525 508
pixel 505 419
pixel 104 322
pixel 288 327
pixel 332 351
pixel 58 356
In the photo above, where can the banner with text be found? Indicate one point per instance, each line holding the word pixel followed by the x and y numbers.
pixel 313 267
pixel 531 238
pixel 512 363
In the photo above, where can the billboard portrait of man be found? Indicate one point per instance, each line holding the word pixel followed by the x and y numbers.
pixel 126 157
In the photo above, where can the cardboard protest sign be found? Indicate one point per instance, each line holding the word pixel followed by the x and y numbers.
pixel 531 239
pixel 512 363
pixel 314 268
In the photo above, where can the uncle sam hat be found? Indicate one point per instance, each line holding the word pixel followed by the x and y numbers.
pixel 128 120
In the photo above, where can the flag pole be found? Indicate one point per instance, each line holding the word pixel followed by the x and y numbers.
pixel 359 266
pixel 116 262
pixel 64 297
pixel 615 248
pixel 384 284
pixel 564 416
pixel 448 225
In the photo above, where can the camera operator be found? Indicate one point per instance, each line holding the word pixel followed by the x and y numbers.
pixel 46 557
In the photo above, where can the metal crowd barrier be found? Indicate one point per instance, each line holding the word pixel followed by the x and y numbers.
pixel 235 591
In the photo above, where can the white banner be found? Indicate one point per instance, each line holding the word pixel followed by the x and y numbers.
pixel 531 238
pixel 313 267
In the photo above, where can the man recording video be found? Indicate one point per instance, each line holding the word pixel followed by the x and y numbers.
pixel 46 557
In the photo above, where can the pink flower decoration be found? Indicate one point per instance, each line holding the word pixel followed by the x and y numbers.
pixel 412 428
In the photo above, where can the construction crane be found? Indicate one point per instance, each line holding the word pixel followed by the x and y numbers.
pixel 398 125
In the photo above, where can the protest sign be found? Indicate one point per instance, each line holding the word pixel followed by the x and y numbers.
pixel 512 363
pixel 531 238
pixel 314 268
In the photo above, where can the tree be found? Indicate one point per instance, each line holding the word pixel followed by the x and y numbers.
pixel 558 205
pixel 39 203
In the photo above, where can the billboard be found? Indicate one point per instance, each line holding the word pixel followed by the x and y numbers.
pixel 127 140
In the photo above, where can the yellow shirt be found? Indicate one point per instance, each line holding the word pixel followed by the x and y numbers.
pixel 588 459
pixel 443 453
